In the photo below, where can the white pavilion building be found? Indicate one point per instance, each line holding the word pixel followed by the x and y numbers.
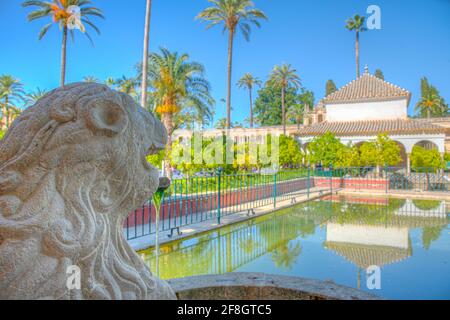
pixel 366 107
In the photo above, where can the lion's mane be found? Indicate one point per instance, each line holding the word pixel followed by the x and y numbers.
pixel 71 168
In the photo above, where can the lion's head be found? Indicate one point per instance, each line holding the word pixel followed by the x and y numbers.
pixel 71 168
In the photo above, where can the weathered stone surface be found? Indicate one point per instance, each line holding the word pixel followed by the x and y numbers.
pixel 71 168
pixel 258 286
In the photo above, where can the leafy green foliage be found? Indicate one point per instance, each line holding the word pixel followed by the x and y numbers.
pixel 431 104
pixel 382 151
pixel 423 158
pixel 379 74
pixel 329 150
pixel 330 87
pixel 290 152
pixel 268 104
pixel 325 150
pixel 2 134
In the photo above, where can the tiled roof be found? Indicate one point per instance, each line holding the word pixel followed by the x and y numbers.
pixel 370 128
pixel 365 256
pixel 367 88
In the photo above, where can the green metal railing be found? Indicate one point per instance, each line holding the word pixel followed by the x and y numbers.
pixel 196 199
pixel 212 198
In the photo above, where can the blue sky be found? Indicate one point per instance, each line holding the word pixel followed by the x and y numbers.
pixel 310 35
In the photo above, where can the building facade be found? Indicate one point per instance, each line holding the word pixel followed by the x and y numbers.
pixel 368 106
pixel 356 113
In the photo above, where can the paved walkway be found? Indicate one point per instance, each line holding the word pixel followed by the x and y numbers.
pixel 146 242
pixel 425 195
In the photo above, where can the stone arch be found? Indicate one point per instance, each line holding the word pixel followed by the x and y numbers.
pixel 403 154
pixel 428 145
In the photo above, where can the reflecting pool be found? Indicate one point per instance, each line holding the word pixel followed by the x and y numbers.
pixel 335 239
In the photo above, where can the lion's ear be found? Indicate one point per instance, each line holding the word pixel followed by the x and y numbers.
pixel 106 117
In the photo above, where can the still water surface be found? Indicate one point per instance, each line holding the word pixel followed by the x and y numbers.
pixel 332 239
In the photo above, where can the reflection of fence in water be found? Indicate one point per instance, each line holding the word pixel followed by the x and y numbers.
pixel 224 250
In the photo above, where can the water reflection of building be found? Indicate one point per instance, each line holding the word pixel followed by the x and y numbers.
pixel 380 237
pixel 367 246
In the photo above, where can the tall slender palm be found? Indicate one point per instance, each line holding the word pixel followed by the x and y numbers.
pixel 248 81
pixel 284 76
pixel 33 97
pixel 356 24
pixel 11 90
pixel 65 13
pixel 233 14
pixel 178 84
pixel 144 82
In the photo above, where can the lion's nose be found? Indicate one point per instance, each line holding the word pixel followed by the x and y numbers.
pixel 160 138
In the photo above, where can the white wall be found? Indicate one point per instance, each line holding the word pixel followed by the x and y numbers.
pixel 384 110
pixel 368 235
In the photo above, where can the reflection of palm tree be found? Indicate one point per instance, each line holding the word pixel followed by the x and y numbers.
pixel 286 255
pixel 249 246
pixel 430 234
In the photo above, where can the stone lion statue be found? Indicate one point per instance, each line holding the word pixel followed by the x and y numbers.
pixel 71 168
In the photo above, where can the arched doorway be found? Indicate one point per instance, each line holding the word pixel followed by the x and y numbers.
pixel 403 155
pixel 426 144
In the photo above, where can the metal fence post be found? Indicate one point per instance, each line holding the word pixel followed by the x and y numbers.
pixel 331 179
pixel 219 196
pixel 387 177
pixel 308 182
pixel 275 190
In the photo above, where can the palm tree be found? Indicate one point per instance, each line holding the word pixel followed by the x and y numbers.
pixel 127 85
pixel 110 82
pixel 356 24
pixel 178 84
pixel 69 15
pixel 144 82
pixel 429 103
pixel 33 97
pixel 283 77
pixel 11 90
pixel 221 124
pixel 233 14
pixel 286 254
pixel 296 113
pixel 90 79
pixel 248 81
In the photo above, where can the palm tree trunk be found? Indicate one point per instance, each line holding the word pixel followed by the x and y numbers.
pixel 357 54
pixel 283 110
pixel 64 57
pixel 145 55
pixel 230 69
pixel 251 108
pixel 428 113
pixel 167 120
